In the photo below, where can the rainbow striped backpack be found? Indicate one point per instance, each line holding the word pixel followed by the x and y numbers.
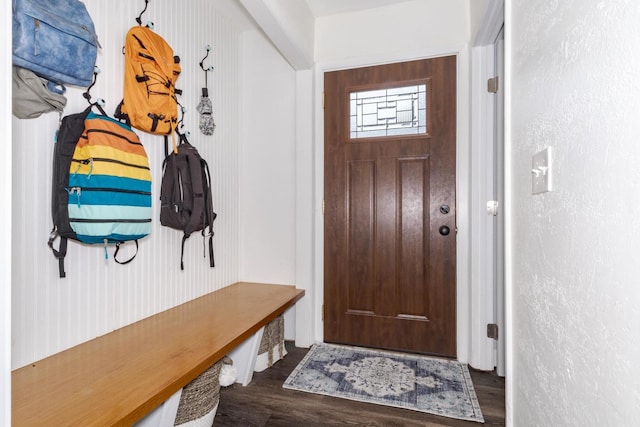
pixel 101 185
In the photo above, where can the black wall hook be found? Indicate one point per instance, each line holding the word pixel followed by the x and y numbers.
pixel 205 89
pixel 87 94
pixel 139 18
pixel 205 57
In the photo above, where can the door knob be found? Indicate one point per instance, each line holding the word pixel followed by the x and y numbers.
pixel 444 230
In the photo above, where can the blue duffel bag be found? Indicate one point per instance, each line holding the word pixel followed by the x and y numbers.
pixel 55 39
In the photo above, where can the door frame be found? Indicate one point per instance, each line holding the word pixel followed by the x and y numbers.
pixel 463 303
pixel 487 301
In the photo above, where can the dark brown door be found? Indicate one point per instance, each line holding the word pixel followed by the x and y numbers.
pixel 390 239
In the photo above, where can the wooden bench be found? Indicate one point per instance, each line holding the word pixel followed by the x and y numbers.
pixel 117 378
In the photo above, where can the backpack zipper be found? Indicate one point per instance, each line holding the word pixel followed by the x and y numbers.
pixel 92 34
pixel 76 190
pixel 79 190
pixel 36 43
pixel 114 134
pixel 100 159
pixel 90 221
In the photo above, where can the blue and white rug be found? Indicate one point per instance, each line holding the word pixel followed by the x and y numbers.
pixel 420 383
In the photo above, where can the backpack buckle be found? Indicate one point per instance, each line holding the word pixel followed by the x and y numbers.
pixel 53 235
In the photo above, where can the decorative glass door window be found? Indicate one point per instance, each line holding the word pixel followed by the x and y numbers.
pixel 388 112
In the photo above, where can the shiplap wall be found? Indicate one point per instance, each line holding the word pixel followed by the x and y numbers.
pixel 51 314
pixel 5 220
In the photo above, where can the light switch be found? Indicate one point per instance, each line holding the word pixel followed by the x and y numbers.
pixel 541 168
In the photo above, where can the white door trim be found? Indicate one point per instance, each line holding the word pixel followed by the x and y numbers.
pixel 482 354
pixel 483 350
pixel 500 191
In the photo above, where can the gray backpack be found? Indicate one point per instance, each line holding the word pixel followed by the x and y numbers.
pixel 33 95
pixel 185 194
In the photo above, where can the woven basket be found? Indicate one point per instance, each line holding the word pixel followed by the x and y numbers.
pixel 272 345
pixel 200 398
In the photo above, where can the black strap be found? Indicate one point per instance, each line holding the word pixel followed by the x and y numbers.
pixel 184 238
pixel 154 120
pixel 99 107
pixel 118 114
pixel 207 210
pixel 115 254
pixel 199 200
pixel 210 235
pixel 211 261
pixel 60 253
pixel 176 188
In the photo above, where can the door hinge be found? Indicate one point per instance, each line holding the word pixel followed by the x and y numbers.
pixel 323 205
pixel 323 100
pixel 492 331
pixel 492 85
pixel 323 312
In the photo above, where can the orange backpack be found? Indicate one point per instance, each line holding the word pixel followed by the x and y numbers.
pixel 150 73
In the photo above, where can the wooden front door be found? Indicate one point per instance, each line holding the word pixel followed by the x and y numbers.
pixel 390 219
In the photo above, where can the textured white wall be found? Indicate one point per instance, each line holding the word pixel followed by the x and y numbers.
pixel 267 207
pixel 575 294
pixel 51 314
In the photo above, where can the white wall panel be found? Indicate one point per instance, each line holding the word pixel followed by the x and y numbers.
pixel 267 232
pixel 5 221
pixel 98 295
pixel 402 29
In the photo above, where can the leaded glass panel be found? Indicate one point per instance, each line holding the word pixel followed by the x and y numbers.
pixel 389 112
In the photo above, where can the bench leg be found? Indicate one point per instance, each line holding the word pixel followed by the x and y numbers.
pixel 164 415
pixel 244 357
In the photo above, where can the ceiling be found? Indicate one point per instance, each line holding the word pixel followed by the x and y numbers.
pixel 235 9
pixel 237 12
pixel 332 7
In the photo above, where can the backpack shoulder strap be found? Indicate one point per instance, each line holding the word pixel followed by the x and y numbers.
pixel 69 132
pixel 60 253
pixel 121 115
pixel 210 215
pixel 195 170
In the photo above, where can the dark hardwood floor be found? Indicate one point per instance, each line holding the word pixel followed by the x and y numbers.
pixel 265 403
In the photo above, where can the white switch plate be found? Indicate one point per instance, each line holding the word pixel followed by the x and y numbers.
pixel 541 171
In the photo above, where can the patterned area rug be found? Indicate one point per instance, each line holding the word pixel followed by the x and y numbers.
pixel 420 383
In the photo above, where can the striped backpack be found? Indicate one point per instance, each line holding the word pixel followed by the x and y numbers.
pixel 101 184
